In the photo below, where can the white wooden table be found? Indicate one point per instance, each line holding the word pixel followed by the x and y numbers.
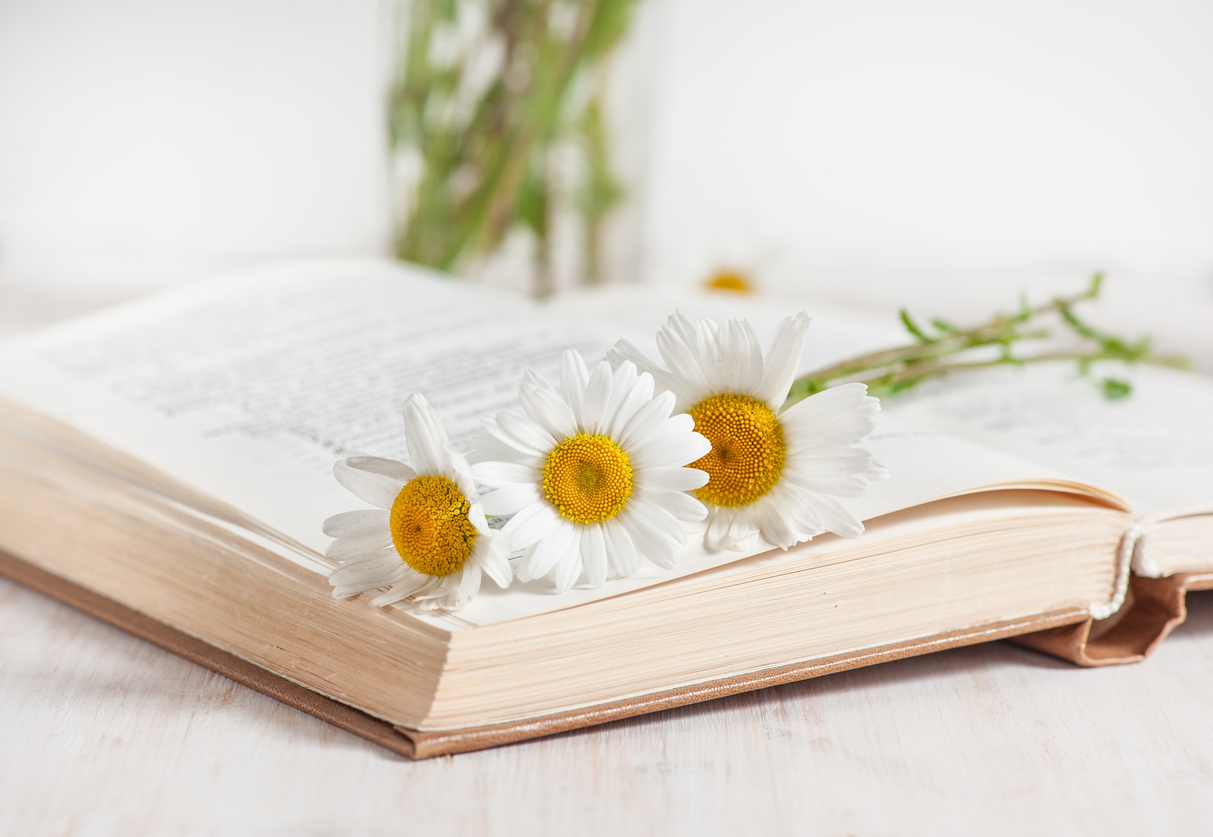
pixel 102 733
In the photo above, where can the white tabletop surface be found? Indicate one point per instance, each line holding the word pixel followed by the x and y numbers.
pixel 106 734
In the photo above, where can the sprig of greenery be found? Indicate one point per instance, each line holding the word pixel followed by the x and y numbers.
pixel 489 156
pixel 943 348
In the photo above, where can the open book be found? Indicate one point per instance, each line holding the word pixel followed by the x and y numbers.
pixel 166 466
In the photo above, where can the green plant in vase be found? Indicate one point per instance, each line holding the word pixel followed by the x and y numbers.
pixel 497 116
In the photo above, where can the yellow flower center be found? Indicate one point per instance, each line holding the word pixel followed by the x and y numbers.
pixel 430 526
pixel 746 459
pixel 588 478
pixel 726 279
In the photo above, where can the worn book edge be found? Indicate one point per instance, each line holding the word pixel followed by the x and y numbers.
pixel 1157 607
pixel 1153 608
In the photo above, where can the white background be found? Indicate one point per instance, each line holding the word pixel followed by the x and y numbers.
pixel 848 148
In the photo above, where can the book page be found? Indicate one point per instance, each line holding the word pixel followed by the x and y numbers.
pixel 1154 447
pixel 251 389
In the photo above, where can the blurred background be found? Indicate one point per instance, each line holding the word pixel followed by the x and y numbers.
pixel 873 153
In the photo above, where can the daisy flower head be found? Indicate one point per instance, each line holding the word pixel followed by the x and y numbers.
pixel 593 473
pixel 426 540
pixel 772 472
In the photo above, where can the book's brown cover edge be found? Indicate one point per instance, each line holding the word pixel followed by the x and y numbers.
pixel 1154 608
pixel 419 744
pixel 205 654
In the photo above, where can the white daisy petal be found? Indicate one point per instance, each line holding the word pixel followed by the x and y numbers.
pixel 495 438
pixel 531 378
pixel 623 384
pixel 390 468
pixel 369 487
pixel 497 473
pixel 802 428
pixel 367 573
pixel 731 531
pixel 850 485
pixel 573 379
pixel 414 584
pixel 494 561
pixel 846 474
pixel 752 361
pixel 637 397
pixel 818 457
pixel 367 578
pixel 522 567
pixel 622 559
pixel 531 523
pixel 845 399
pixel 647 421
pixel 683 326
pixel 625 350
pixel 776 528
pixel 486 447
pixel 426 439
pixel 460 472
pixel 682 362
pixel 735 358
pixel 477 518
pixel 657 535
pixel 561 543
pixel 802 516
pixel 673 449
pixel 779 368
pixel 718 527
pixel 469 583
pixel 597 396
pixel 673 478
pixel 677 343
pixel 593 555
pixel 834 518
pixel 549 410
pixel 367 541
pixel 681 423
pixel 439 593
pixel 782 511
pixel 389 579
pixel 525 434
pixel 566 572
pixel 351 522
pixel 510 499
pixel 680 505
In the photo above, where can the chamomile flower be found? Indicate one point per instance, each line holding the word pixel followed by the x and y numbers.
pixel 426 540
pixel 593 474
pixel 771 473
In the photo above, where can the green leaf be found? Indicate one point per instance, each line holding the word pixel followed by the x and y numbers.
pixel 1114 388
pixel 531 208
pixel 1025 309
pixel 1095 286
pixel 913 327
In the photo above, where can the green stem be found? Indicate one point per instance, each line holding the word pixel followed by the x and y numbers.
pixel 498 149
pixel 537 118
pixel 904 367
